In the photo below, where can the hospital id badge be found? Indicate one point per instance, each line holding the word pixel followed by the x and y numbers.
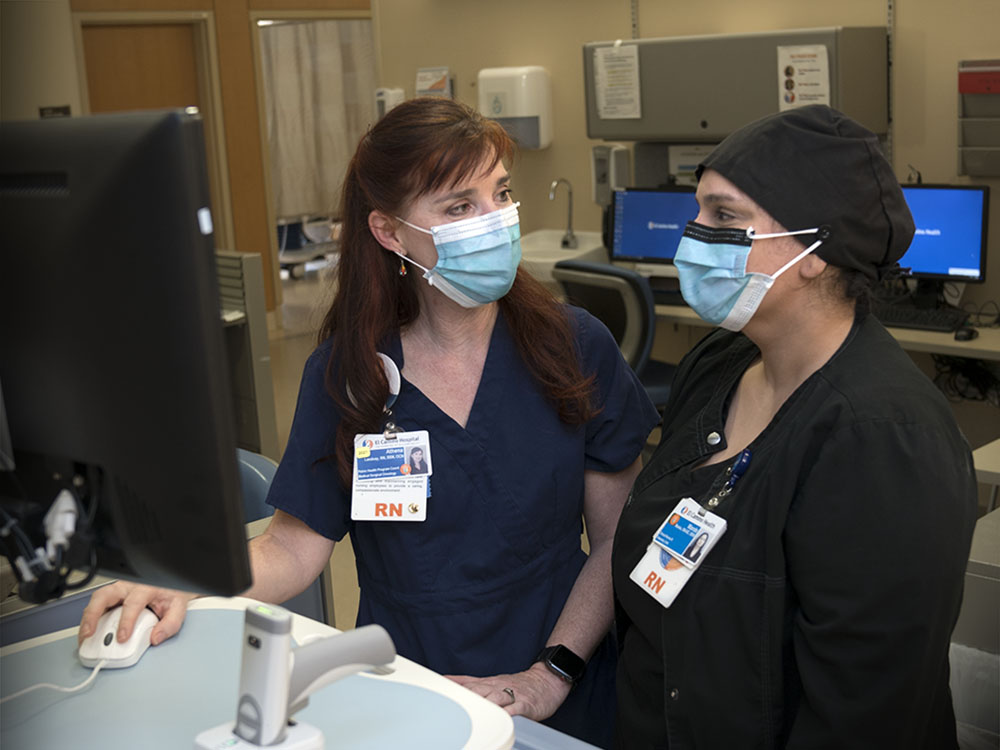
pixel 390 478
pixel 679 546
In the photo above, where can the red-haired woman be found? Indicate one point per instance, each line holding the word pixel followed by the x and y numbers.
pixel 534 422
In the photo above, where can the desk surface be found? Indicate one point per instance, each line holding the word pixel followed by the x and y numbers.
pixel 985 346
pixel 987 461
pixel 189 683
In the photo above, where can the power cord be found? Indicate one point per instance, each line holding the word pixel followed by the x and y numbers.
pixel 962 379
pixel 43 567
pixel 59 688
pixel 40 572
pixel 986 315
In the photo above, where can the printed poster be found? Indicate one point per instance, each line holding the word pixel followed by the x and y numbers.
pixel 616 80
pixel 803 76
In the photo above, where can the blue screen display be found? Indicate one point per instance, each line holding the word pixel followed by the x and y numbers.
pixel 646 225
pixel 949 239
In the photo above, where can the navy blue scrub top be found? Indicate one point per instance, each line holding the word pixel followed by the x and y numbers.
pixel 477 587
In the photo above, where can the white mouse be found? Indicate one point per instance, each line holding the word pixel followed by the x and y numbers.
pixel 102 645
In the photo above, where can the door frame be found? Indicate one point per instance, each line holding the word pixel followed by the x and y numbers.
pixel 209 92
pixel 265 148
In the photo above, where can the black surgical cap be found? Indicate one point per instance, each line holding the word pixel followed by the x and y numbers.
pixel 814 166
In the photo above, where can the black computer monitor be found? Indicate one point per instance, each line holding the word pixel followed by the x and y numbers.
pixel 950 239
pixel 112 366
pixel 646 224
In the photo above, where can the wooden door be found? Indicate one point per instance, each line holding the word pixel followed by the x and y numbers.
pixel 133 67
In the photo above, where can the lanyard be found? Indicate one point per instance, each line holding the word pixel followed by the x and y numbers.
pixel 734 472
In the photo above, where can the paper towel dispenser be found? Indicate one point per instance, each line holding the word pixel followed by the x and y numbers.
pixel 520 99
pixel 701 88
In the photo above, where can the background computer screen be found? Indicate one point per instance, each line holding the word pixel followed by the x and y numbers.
pixel 647 223
pixel 113 375
pixel 950 239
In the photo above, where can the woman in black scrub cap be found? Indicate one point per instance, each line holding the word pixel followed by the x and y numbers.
pixel 821 616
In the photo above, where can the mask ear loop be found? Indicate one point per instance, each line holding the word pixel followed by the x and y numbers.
pixel 402 268
pixel 752 234
pixel 822 231
pixel 797 258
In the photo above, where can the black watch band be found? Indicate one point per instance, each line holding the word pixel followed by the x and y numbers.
pixel 562 662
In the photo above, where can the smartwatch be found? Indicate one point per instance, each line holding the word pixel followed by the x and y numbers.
pixel 562 662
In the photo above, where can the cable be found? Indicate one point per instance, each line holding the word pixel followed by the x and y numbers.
pixel 59 688
pixel 20 538
pixel 986 315
pixel 962 379
pixel 91 572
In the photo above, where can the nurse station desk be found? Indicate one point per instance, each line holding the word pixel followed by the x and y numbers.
pixel 985 346
pixel 189 684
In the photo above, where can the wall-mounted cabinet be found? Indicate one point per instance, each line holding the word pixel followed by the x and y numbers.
pixel 979 118
pixel 701 88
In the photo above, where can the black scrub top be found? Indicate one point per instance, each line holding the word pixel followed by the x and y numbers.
pixel 822 618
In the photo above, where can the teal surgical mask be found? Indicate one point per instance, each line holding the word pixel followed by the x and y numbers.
pixel 477 257
pixel 712 266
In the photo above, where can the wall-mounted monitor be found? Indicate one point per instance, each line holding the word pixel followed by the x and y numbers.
pixel 647 223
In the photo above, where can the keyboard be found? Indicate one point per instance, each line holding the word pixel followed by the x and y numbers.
pixel 927 319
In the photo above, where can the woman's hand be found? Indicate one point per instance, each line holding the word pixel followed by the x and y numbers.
pixel 535 693
pixel 169 605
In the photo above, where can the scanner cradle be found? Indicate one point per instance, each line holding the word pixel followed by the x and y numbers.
pixel 276 680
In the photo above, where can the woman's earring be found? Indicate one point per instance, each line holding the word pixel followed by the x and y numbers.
pixel 402 267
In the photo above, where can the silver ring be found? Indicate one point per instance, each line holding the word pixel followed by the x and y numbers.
pixel 510 692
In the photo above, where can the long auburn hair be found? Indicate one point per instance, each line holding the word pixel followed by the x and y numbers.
pixel 418 147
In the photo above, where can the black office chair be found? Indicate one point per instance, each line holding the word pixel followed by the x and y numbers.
pixel 623 301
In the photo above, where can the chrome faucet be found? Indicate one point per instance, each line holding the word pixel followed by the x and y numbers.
pixel 568 239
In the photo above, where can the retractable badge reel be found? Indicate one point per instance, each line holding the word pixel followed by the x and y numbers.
pixel 683 541
pixel 391 468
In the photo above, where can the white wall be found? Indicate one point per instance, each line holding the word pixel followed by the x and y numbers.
pixel 37 58
pixel 931 37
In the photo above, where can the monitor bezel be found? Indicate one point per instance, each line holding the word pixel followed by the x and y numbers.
pixel 689 189
pixel 984 239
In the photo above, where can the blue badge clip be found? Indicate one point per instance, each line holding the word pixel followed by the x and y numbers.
pixel 738 469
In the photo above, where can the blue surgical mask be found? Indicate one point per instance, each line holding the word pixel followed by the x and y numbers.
pixel 477 257
pixel 712 266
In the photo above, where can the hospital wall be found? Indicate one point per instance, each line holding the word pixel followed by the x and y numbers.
pixel 930 38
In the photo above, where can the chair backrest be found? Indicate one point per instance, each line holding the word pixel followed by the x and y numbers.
pixel 256 473
pixel 619 298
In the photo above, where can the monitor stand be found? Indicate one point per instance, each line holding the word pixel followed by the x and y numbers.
pixel 928 294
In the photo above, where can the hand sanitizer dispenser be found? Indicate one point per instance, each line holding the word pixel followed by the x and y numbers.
pixel 520 99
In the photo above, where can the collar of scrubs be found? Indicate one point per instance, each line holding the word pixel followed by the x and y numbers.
pixel 704 431
pixel 392 345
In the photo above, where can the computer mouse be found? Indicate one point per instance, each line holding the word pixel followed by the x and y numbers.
pixel 966 334
pixel 102 645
